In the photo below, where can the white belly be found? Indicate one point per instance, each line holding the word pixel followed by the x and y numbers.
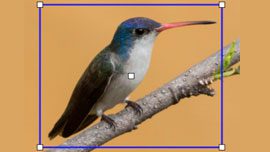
pixel 120 87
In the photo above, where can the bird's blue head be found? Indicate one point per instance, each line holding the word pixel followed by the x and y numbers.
pixel 131 30
pixel 141 30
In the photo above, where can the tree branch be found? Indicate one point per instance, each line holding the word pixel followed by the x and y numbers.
pixel 193 82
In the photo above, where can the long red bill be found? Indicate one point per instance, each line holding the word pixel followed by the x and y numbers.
pixel 181 24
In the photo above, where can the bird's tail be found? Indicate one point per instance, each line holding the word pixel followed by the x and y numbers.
pixel 87 121
pixel 60 126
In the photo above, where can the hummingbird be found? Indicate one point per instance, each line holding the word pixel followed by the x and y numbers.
pixel 105 82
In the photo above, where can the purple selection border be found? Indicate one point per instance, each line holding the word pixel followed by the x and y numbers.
pixel 128 147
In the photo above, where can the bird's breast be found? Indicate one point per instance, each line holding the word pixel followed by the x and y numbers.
pixel 121 85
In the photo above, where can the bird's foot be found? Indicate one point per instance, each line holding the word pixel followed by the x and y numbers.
pixel 135 106
pixel 109 120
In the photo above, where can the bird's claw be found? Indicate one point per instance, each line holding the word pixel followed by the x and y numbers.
pixel 109 120
pixel 135 106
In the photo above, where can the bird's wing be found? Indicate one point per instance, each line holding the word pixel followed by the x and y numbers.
pixel 88 90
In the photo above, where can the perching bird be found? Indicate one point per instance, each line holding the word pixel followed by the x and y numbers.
pixel 105 82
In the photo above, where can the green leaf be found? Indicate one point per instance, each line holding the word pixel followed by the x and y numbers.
pixel 226 62
pixel 228 57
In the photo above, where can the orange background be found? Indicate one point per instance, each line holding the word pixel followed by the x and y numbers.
pixel 72 36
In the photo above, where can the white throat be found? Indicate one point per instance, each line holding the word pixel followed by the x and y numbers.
pixel 140 56
pixel 142 48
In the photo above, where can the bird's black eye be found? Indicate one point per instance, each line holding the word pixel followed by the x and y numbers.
pixel 141 31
